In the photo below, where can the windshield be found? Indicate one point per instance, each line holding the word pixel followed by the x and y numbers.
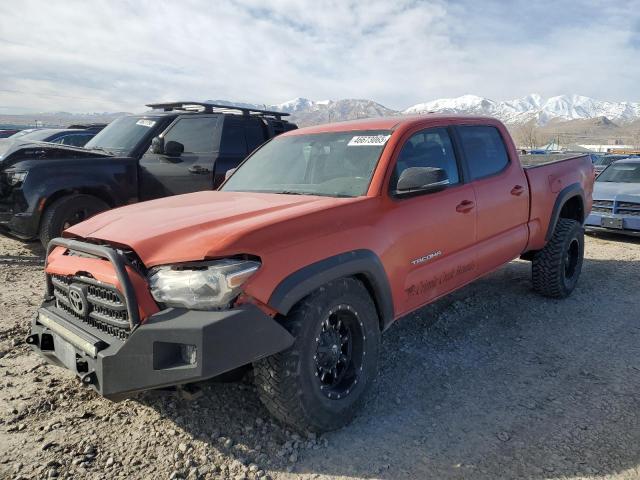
pixel 621 173
pixel 337 164
pixel 123 135
pixel 607 160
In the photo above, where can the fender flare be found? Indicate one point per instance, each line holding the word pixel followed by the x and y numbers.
pixel 567 193
pixel 365 263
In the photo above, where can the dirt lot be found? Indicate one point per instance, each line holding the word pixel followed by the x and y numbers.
pixel 493 381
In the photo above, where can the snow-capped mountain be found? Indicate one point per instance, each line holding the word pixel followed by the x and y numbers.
pixel 311 112
pixel 533 107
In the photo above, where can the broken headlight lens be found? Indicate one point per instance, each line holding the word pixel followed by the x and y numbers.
pixel 15 178
pixel 211 286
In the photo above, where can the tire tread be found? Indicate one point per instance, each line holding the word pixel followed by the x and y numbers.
pixel 546 268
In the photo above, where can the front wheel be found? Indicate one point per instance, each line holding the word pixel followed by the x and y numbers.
pixel 556 268
pixel 319 383
pixel 67 211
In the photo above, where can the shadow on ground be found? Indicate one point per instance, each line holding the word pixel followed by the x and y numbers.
pixel 492 381
pixel 27 253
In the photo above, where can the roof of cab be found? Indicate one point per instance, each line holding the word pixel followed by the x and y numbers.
pixel 386 123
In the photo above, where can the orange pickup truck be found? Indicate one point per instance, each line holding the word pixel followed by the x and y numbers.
pixel 319 241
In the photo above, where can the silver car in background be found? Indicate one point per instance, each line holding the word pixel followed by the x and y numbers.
pixel 604 161
pixel 616 199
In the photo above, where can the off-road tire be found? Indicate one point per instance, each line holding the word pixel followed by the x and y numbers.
pixel 288 383
pixel 556 268
pixel 68 211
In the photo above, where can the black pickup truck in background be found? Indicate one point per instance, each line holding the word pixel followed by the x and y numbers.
pixel 176 148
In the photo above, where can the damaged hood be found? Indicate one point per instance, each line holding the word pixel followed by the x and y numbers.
pixel 202 225
pixel 12 151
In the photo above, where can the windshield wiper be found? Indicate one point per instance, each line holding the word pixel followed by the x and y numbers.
pixel 314 194
pixel 291 192
pixel 101 149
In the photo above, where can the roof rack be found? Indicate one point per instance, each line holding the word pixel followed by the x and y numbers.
pixel 214 107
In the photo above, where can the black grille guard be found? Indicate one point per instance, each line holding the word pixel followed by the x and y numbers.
pixel 119 262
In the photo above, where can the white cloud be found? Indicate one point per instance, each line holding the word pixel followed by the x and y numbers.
pixel 118 55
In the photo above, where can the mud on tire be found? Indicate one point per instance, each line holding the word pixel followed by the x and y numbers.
pixel 319 383
pixel 556 268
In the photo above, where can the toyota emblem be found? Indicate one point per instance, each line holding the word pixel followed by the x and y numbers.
pixel 78 300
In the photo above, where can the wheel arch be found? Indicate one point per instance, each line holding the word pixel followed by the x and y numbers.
pixel 569 204
pixel 100 194
pixel 47 201
pixel 363 265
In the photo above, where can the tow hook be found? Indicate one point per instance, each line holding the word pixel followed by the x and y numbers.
pixel 88 378
pixel 32 339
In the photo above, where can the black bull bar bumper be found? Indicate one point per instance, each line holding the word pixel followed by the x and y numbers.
pixel 172 347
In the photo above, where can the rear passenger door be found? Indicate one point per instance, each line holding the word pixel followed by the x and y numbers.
pixel 240 136
pixel 162 175
pixel 501 192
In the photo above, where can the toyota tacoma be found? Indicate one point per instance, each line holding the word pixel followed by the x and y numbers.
pixel 312 248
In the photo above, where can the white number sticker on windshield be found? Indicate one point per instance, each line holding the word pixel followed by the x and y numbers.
pixel 368 140
pixel 146 123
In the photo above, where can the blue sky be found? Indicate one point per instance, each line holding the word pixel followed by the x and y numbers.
pixel 117 55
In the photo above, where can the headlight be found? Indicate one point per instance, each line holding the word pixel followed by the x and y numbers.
pixel 15 178
pixel 208 287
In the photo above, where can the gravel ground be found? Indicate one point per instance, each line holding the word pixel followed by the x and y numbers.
pixel 491 382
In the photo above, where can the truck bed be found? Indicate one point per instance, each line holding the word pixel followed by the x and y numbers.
pixel 529 161
pixel 550 176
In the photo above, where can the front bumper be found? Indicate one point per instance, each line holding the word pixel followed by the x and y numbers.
pixel 174 346
pixel 18 216
pixel 630 223
pixel 21 225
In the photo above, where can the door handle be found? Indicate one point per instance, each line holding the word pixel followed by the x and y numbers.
pixel 517 190
pixel 198 170
pixel 465 206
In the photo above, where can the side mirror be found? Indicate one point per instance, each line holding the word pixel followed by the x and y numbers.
pixel 173 149
pixel 422 180
pixel 157 145
pixel 229 172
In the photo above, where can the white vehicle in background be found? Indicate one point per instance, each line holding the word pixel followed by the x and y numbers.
pixel 606 160
pixel 616 199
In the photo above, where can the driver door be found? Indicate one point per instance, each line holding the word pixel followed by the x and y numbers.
pixel 434 232
pixel 163 175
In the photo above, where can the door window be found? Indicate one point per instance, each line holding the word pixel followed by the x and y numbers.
pixel 77 140
pixel 196 134
pixel 233 140
pixel 254 133
pixel 428 148
pixel 484 150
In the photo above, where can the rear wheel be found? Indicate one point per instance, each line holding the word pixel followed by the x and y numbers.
pixel 319 383
pixel 67 211
pixel 556 268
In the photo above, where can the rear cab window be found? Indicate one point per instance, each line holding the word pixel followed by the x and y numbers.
pixel 484 150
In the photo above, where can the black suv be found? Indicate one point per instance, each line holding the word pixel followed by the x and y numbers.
pixel 177 148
